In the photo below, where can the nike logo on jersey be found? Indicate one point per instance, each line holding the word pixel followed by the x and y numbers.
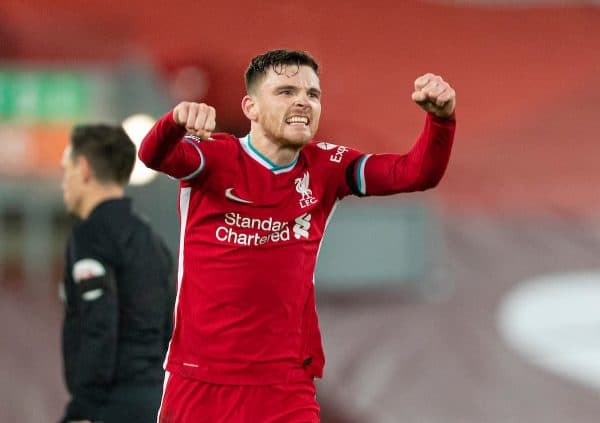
pixel 229 194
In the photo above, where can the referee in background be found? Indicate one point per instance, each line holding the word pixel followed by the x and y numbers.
pixel 118 287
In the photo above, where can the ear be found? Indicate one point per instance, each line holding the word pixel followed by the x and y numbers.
pixel 250 108
pixel 85 168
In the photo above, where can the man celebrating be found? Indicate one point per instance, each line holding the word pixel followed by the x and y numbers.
pixel 246 344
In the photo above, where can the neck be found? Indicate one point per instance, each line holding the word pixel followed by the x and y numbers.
pixel 279 154
pixel 98 195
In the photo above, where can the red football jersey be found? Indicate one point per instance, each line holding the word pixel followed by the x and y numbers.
pixel 250 234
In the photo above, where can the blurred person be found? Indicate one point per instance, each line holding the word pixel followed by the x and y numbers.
pixel 118 286
pixel 246 345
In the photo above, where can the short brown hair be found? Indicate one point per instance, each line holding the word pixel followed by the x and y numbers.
pixel 274 59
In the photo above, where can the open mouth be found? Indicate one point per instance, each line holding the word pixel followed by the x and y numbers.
pixel 297 120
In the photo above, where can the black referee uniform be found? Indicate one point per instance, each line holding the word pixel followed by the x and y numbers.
pixel 119 293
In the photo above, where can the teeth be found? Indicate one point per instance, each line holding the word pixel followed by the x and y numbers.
pixel 298 119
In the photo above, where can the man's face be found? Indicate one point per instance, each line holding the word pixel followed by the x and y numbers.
pixel 289 105
pixel 72 182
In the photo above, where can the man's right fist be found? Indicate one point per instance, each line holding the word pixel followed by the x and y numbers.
pixel 197 118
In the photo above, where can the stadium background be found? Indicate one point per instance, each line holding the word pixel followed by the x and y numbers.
pixel 492 314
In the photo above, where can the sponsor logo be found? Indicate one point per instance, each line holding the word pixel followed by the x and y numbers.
pixel 87 269
pixel 338 155
pixel 249 231
pixel 229 194
pixel 326 146
pixel 302 226
pixel 242 230
pixel 302 187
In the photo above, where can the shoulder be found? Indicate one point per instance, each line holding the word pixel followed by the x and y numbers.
pixel 328 153
pixel 99 234
pixel 140 239
pixel 90 239
pixel 91 230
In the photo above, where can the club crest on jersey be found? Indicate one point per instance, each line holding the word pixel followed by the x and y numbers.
pixel 303 188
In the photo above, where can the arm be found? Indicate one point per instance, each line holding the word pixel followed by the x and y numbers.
pixel 93 360
pixel 99 316
pixel 423 167
pixel 167 150
pixel 420 169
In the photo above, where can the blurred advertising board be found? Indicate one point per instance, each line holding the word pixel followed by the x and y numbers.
pixel 32 149
pixel 39 104
pixel 38 107
pixel 43 96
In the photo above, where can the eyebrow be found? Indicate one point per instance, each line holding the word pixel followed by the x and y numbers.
pixel 294 87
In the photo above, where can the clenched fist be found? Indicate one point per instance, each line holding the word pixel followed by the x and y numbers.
pixel 434 95
pixel 197 118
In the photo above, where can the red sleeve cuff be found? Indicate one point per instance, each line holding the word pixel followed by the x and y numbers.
pixel 449 119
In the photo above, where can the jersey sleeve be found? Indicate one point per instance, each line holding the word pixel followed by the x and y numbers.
pixel 419 169
pixel 166 148
pixel 339 159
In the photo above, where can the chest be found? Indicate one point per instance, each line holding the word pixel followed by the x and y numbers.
pixel 264 205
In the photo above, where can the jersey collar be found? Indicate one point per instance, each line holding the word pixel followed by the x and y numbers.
pixel 260 158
